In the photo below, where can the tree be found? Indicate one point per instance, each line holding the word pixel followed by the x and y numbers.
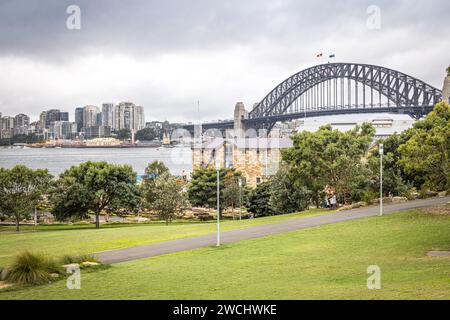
pixel 153 171
pixel 123 134
pixel 288 194
pixel 259 201
pixel 231 191
pixel 395 180
pixel 426 153
pixel 168 197
pixel 93 187
pixel 20 190
pixel 329 158
pixel 146 134
pixel 448 71
pixel 202 189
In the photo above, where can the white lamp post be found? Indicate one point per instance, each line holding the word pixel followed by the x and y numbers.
pixel 218 201
pixel 381 151
pixel 240 198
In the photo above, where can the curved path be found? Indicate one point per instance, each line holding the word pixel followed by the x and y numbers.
pixel 183 244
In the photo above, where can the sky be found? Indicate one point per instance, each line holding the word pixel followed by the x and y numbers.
pixel 193 60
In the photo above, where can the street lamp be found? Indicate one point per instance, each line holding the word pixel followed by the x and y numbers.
pixel 218 201
pixel 240 198
pixel 381 152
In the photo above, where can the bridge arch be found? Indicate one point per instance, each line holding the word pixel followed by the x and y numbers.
pixel 399 89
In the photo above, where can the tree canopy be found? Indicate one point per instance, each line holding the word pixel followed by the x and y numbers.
pixel 426 152
pixel 20 190
pixel 146 134
pixel 329 158
pixel 93 187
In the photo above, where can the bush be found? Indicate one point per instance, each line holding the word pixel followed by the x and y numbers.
pixel 31 268
pixel 78 259
pixel 369 196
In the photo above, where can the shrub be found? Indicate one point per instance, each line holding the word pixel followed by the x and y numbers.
pixel 78 259
pixel 369 196
pixel 31 268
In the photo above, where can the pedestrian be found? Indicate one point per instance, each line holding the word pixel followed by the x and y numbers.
pixel 333 201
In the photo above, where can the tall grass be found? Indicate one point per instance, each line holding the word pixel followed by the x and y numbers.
pixel 31 268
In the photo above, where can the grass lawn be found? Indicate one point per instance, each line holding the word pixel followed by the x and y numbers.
pixel 58 240
pixel 327 262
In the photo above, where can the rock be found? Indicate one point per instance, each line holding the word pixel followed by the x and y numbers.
pixel 399 199
pixel 442 194
pixel 359 204
pixel 431 193
pixel 54 275
pixel 71 266
pixel 346 207
pixel 89 264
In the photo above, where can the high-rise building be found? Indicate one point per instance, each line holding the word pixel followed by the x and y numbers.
pixel 6 127
pixel 90 116
pixel 97 132
pixel 129 116
pixel 79 118
pixel 21 124
pixel 108 115
pixel 48 117
pixel 63 130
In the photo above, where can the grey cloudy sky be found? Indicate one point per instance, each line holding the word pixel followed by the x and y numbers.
pixel 166 55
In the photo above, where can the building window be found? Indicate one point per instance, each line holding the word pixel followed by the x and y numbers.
pixel 258 180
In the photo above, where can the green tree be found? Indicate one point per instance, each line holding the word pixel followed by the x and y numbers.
pixel 259 201
pixel 202 189
pixel 426 153
pixel 93 187
pixel 288 194
pixel 329 158
pixel 168 197
pixel 123 134
pixel 448 71
pixel 153 171
pixel 146 134
pixel 395 181
pixel 20 190
pixel 231 191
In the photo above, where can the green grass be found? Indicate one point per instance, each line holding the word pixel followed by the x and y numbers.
pixel 59 240
pixel 327 262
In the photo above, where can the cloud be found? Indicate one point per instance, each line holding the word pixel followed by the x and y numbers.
pixel 166 55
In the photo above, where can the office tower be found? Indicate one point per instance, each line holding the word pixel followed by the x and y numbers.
pixel 129 116
pixel 48 117
pixel 90 116
pixel 108 115
pixel 63 129
pixel 21 123
pixel 79 118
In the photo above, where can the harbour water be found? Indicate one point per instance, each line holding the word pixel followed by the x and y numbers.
pixel 58 160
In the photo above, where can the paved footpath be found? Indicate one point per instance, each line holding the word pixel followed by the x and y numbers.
pixel 156 249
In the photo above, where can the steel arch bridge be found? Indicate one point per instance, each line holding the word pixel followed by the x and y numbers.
pixel 341 88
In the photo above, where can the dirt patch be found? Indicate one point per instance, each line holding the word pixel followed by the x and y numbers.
pixel 438 253
pixel 438 210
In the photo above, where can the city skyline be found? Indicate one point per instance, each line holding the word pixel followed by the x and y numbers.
pixel 217 54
